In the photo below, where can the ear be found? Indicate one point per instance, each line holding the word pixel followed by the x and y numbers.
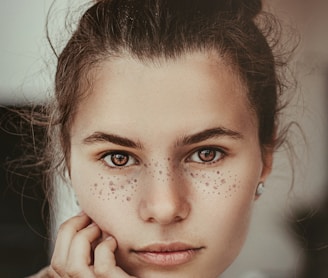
pixel 267 158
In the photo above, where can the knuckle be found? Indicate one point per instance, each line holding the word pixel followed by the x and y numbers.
pixel 101 270
pixel 78 238
pixel 103 248
pixel 56 267
pixel 66 226
pixel 73 272
pixel 51 273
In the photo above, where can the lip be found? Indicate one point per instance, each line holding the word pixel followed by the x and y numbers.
pixel 167 254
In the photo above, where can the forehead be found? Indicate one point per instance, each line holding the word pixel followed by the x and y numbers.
pixel 126 91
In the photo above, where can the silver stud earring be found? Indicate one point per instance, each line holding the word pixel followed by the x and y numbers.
pixel 260 189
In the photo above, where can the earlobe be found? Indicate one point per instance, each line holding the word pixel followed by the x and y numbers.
pixel 267 159
pixel 260 189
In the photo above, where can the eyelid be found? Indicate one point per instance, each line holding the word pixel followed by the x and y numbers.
pixel 112 152
pixel 223 152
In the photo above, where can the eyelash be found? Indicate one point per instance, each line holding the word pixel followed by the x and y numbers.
pixel 112 164
pixel 194 157
pixel 219 154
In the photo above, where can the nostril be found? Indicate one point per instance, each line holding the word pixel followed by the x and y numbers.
pixel 178 219
pixel 151 220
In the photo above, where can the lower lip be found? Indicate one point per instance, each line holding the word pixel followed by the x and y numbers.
pixel 172 258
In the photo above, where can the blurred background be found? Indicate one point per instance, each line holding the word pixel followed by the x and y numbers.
pixel 289 232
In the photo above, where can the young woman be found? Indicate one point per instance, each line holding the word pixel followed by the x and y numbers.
pixel 167 116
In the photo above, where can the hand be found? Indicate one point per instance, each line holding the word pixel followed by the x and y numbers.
pixel 74 255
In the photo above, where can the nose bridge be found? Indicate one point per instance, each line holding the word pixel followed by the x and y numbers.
pixel 164 198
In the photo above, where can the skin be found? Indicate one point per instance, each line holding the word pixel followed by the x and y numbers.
pixel 187 173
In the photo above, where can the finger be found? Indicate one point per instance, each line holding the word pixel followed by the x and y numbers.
pixel 51 273
pixel 65 235
pixel 46 272
pixel 105 263
pixel 79 258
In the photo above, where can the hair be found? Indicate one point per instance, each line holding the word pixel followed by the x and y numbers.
pixel 237 30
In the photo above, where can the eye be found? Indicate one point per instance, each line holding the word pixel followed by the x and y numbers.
pixel 206 155
pixel 119 159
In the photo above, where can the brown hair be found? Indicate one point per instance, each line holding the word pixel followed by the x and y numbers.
pixel 150 29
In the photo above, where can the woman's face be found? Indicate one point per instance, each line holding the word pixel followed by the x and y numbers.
pixel 165 157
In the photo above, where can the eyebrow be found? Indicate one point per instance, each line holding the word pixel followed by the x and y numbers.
pixel 99 137
pixel 209 134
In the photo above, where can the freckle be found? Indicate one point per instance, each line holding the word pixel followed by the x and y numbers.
pixel 234 185
pixel 156 164
pixel 135 180
pixel 207 184
pixel 128 199
pixel 112 189
pixel 223 181
pixel 100 192
pixel 102 177
pixel 122 187
pixel 218 172
pixel 160 172
pixel 192 174
pixel 215 187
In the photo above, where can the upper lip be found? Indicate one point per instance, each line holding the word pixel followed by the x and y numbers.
pixel 167 247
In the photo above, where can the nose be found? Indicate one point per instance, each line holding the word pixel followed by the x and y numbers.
pixel 164 201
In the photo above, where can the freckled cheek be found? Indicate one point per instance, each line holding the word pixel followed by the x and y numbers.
pixel 213 182
pixel 119 188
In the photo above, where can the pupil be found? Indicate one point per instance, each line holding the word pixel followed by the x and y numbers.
pixel 119 159
pixel 207 155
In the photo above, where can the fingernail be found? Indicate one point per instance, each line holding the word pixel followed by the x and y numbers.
pixel 91 225
pixel 109 238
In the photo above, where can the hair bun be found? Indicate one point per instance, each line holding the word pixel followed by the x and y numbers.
pixel 249 8
pixel 242 8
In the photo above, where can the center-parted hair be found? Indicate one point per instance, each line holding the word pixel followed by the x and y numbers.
pixel 152 29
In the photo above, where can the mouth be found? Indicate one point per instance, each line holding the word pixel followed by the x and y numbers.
pixel 167 254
